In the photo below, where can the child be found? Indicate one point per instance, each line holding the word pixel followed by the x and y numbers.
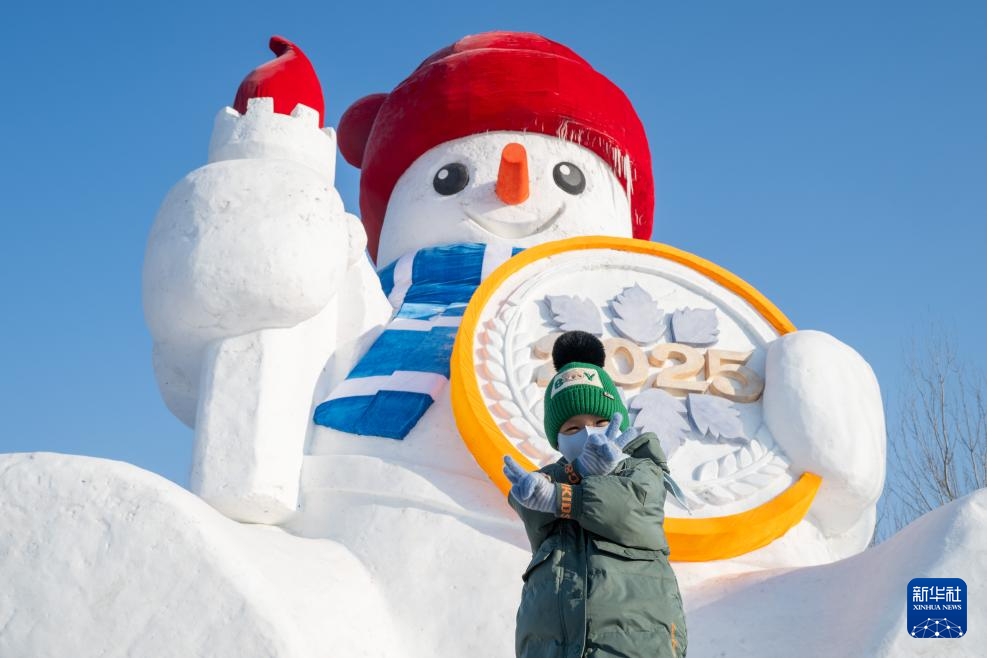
pixel 599 583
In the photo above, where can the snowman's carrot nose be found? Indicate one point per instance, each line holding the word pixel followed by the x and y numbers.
pixel 512 178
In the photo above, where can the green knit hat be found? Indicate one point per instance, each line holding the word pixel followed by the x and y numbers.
pixel 579 387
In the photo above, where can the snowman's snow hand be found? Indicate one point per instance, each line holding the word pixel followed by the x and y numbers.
pixel 305 115
pixel 265 105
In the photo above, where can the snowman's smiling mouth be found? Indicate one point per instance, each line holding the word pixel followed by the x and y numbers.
pixel 514 229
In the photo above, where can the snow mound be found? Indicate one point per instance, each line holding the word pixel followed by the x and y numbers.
pixel 853 607
pixel 101 558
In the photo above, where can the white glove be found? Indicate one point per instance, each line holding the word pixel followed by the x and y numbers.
pixel 256 239
pixel 822 405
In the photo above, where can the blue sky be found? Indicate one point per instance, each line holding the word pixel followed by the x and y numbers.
pixel 833 156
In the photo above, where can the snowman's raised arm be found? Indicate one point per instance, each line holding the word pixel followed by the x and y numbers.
pixel 822 404
pixel 242 281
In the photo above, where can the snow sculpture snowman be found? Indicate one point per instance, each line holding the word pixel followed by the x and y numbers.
pixel 506 195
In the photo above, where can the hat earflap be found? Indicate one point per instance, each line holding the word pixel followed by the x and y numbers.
pixel 355 126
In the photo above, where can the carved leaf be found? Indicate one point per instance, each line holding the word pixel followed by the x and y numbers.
pixel 524 373
pixel 695 326
pixel 663 414
pixel 508 409
pixel 745 457
pixel 760 479
pixel 493 371
pixel 727 465
pixel 571 313
pixel 742 488
pixel 523 426
pixel 774 468
pixel 540 453
pixel 501 390
pixel 705 471
pixel 637 316
pixel 532 394
pixel 716 417
pixel 496 339
pixel 716 495
pixel 493 354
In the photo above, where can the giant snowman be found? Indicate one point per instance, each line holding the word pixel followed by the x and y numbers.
pixel 353 384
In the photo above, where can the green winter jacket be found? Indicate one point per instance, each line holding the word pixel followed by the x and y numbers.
pixel 599 583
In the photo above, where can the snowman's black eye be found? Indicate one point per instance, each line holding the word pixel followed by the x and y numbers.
pixel 450 179
pixel 569 177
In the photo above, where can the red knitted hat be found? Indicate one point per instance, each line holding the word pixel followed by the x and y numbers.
pixel 495 81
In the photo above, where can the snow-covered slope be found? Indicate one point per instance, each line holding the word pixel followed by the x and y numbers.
pixel 854 607
pixel 101 558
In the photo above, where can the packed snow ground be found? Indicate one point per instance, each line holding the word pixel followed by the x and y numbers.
pixel 101 558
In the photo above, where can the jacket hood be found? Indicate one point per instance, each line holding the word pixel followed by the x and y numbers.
pixel 647 446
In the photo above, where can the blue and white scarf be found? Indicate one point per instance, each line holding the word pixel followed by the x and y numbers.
pixel 407 366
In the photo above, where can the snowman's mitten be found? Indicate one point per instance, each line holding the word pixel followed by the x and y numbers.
pixel 822 404
pixel 256 239
pixel 532 489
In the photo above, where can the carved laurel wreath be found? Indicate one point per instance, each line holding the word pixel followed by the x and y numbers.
pixel 501 355
pixel 506 368
pixel 738 474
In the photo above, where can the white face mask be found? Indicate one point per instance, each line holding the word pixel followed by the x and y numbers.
pixel 571 445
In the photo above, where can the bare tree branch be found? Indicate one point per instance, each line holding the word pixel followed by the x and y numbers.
pixel 938 442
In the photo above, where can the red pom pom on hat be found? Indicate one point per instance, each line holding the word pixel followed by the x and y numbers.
pixel 515 81
pixel 289 79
